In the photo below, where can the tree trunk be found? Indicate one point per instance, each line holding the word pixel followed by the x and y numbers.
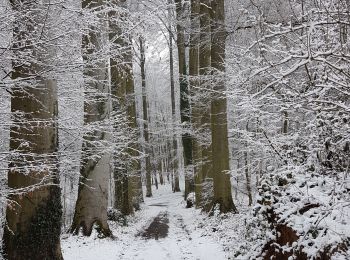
pixel 145 120
pixel 194 86
pixel 127 191
pixel 184 99
pixel 91 206
pixel 176 183
pixel 134 169
pixel 220 151
pixel 161 177
pixel 205 175
pixel 34 215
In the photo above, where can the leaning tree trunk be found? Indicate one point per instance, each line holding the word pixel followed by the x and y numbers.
pixel 34 210
pixel 220 150
pixel 145 119
pixel 92 202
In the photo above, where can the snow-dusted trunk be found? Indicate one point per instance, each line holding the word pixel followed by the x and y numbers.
pixel 5 64
pixel 195 108
pixel 184 96
pixel 174 160
pixel 128 193
pixel 204 174
pixel 220 151
pixel 145 119
pixel 34 208
pixel 134 169
pixel 91 206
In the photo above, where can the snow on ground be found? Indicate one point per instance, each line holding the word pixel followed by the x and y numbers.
pixel 190 235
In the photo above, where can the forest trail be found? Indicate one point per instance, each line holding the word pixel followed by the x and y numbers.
pixel 163 229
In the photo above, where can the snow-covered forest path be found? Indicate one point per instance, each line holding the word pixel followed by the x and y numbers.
pixel 163 229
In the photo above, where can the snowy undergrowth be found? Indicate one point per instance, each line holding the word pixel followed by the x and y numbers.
pixel 315 207
pixel 228 229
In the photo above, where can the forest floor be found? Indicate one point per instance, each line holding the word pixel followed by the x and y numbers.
pixel 163 229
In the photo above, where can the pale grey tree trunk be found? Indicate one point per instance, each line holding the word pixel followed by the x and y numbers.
pixel 92 202
pixel 5 79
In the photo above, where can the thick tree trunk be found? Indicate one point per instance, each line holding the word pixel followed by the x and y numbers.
pixel 33 215
pixel 128 194
pixel 194 89
pixel 120 78
pixel 145 119
pixel 134 169
pixel 220 151
pixel 204 174
pixel 91 206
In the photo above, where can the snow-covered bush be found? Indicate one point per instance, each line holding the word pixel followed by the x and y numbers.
pixel 290 78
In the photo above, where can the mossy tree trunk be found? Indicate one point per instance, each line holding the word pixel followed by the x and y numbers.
pixel 34 209
pixel 92 201
pixel 220 150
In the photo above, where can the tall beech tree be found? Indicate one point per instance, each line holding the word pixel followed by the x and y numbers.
pixel 127 175
pixel 200 68
pixel 34 209
pixel 91 206
pixel 206 165
pixel 220 151
pixel 193 89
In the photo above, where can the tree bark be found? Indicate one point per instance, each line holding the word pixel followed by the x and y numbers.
pixel 91 206
pixel 194 89
pixel 175 166
pixel 205 175
pixel 184 98
pixel 220 151
pixel 128 194
pixel 134 169
pixel 34 209
pixel 145 119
